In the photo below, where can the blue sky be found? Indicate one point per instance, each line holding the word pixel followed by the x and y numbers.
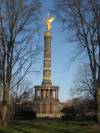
pixel 62 73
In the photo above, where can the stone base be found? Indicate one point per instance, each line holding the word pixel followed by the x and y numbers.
pixel 46 103
pixel 47 107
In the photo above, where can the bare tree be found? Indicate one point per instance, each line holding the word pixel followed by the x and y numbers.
pixel 23 87
pixel 19 23
pixel 21 94
pixel 83 84
pixel 82 18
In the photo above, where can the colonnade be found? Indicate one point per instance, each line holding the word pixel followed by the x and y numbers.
pixel 46 93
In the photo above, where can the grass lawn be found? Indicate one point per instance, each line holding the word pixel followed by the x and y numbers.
pixel 51 126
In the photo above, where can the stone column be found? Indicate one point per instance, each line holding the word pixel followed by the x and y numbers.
pixel 35 93
pixel 45 93
pixel 47 58
pixel 57 94
pixel 38 93
pixel 53 94
pixel 50 93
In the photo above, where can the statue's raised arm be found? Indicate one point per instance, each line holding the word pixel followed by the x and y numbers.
pixel 49 21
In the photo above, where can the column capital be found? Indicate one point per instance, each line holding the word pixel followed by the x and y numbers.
pixel 47 34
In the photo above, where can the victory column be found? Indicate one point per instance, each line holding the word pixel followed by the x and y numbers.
pixel 46 102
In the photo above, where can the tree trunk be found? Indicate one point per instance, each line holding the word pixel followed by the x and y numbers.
pixel 6 107
pixel 98 104
pixel 4 116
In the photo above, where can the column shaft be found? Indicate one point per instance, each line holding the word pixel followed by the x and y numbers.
pixel 47 58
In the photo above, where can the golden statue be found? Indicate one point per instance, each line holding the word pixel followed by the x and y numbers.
pixel 49 21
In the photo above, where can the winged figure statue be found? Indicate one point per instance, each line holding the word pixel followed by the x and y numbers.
pixel 49 21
